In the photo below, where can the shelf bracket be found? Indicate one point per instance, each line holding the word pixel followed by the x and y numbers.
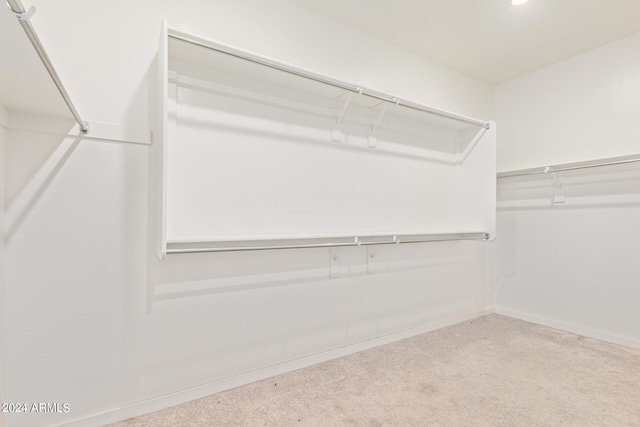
pixel 334 266
pixel 472 144
pixel 372 251
pixel 558 189
pixel 372 141
pixel 24 16
pixel 336 132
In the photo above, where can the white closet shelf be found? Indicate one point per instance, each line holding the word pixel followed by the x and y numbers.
pixel 255 244
pixel 290 69
pixel 258 154
pixel 564 167
pixel 24 17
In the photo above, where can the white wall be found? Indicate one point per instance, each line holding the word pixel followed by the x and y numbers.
pixel 583 108
pixel 573 265
pixel 109 82
pixel 4 121
pixel 95 320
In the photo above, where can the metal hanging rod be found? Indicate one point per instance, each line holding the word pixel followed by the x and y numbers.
pixel 238 53
pixel 24 18
pixel 570 167
pixel 271 244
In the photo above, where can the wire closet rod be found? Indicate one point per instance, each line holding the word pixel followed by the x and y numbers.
pixel 569 167
pixel 424 238
pixel 24 18
pixel 238 53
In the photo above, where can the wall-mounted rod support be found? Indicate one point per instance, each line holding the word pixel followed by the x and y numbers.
pixel 478 136
pixel 556 180
pixel 248 56
pixel 344 109
pixel 377 123
pixel 182 247
pixel 571 166
pixel 23 17
pixel 372 140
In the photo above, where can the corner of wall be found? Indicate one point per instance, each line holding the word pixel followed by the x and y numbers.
pixel 4 122
pixel 4 117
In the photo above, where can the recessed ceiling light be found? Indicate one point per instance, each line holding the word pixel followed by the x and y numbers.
pixel 517 2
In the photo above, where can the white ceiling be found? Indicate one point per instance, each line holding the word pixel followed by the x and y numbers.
pixel 488 39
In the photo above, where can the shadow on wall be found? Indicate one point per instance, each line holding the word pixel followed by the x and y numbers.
pixel 193 275
pixel 27 195
pixel 182 276
pixel 607 186
pixel 574 217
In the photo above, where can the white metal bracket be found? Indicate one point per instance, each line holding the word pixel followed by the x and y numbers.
pixel 24 16
pixel 558 195
pixel 336 132
pixel 372 141
pixel 558 192
pixel 372 251
pixel 472 144
pixel 335 267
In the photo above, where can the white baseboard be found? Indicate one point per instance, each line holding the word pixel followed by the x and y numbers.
pixel 183 396
pixel 570 327
pixel 188 395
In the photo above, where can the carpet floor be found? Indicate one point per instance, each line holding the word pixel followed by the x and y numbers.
pixel 491 371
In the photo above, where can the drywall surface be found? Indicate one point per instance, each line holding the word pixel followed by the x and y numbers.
pixel 4 119
pixel 584 108
pixel 572 265
pixel 227 115
pixel 109 84
pixel 96 321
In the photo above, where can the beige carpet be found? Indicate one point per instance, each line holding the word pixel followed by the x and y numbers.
pixel 492 371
